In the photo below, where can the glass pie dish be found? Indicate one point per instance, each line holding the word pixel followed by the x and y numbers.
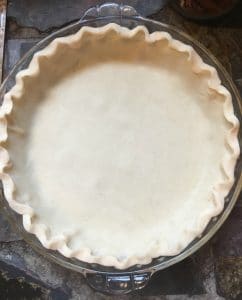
pixel 107 279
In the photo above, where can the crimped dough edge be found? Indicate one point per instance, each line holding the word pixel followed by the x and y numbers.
pixel 220 190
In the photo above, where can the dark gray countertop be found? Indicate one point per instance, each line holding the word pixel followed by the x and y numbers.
pixel 214 271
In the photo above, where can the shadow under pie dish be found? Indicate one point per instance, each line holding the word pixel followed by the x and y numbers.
pixel 121 145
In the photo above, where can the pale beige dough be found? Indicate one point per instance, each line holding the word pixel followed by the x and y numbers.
pixel 120 152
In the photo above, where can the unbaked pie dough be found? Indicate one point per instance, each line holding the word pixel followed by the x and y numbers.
pixel 121 145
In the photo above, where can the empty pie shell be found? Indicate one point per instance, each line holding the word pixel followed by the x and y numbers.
pixel 117 145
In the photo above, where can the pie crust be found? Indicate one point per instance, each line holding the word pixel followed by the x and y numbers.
pixel 117 145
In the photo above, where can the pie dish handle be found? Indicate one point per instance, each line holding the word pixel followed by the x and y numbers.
pixel 117 283
pixel 109 10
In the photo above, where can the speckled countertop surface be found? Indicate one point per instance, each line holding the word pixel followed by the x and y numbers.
pixel 215 271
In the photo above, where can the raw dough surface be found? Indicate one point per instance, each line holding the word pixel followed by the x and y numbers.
pixel 120 152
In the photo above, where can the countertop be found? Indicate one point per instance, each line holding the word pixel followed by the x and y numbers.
pixel 213 272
